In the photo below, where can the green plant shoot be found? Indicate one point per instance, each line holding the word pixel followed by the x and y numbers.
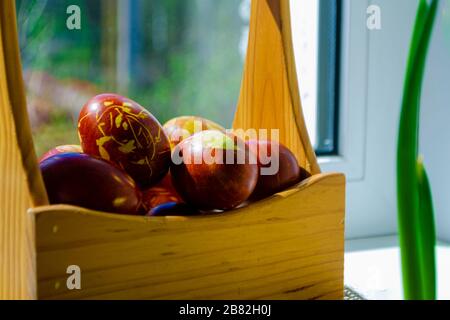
pixel 415 209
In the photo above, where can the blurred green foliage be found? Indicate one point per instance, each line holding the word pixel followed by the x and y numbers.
pixel 184 55
pixel 47 44
pixel 58 131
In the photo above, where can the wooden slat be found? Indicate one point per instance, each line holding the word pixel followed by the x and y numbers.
pixel 290 246
pixel 20 181
pixel 270 96
pixel 18 105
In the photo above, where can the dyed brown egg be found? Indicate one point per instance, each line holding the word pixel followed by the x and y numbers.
pixel 161 193
pixel 181 128
pixel 84 181
pixel 119 130
pixel 213 171
pixel 278 168
pixel 61 149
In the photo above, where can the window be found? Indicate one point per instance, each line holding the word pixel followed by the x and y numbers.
pixel 316 32
pixel 175 57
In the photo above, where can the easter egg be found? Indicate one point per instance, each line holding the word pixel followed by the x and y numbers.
pixel 181 128
pixel 161 193
pixel 278 168
pixel 119 130
pixel 61 149
pixel 213 171
pixel 84 181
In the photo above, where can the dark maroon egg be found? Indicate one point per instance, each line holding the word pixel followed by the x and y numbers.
pixel 61 149
pixel 84 181
pixel 172 209
pixel 278 168
pixel 119 130
pixel 223 177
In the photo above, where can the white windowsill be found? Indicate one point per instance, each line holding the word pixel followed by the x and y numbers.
pixel 372 267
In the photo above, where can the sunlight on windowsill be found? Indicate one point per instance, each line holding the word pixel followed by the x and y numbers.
pixel 372 267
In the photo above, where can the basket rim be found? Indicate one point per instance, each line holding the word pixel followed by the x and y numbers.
pixel 305 184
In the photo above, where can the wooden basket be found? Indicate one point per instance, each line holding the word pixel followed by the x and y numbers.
pixel 290 246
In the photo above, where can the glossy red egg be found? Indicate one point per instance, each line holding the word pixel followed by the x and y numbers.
pixel 166 183
pixel 163 192
pixel 119 130
pixel 213 171
pixel 278 168
pixel 84 181
pixel 61 149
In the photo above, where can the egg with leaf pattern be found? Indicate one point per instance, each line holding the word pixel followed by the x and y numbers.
pixel 121 131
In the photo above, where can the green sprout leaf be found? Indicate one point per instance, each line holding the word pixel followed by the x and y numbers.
pixel 427 234
pixel 416 227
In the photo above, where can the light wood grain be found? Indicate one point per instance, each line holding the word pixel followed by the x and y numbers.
pixel 290 246
pixel 270 96
pixel 18 171
pixel 16 93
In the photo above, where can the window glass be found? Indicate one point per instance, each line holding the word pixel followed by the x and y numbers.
pixel 174 57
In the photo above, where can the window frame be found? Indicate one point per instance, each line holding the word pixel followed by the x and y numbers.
pixel 329 34
pixel 353 88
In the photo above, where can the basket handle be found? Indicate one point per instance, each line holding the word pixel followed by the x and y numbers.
pixel 270 96
pixel 21 184
pixel 15 108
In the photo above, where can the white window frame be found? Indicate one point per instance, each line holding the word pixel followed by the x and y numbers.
pixel 353 94
pixel 371 190
pixel 373 68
